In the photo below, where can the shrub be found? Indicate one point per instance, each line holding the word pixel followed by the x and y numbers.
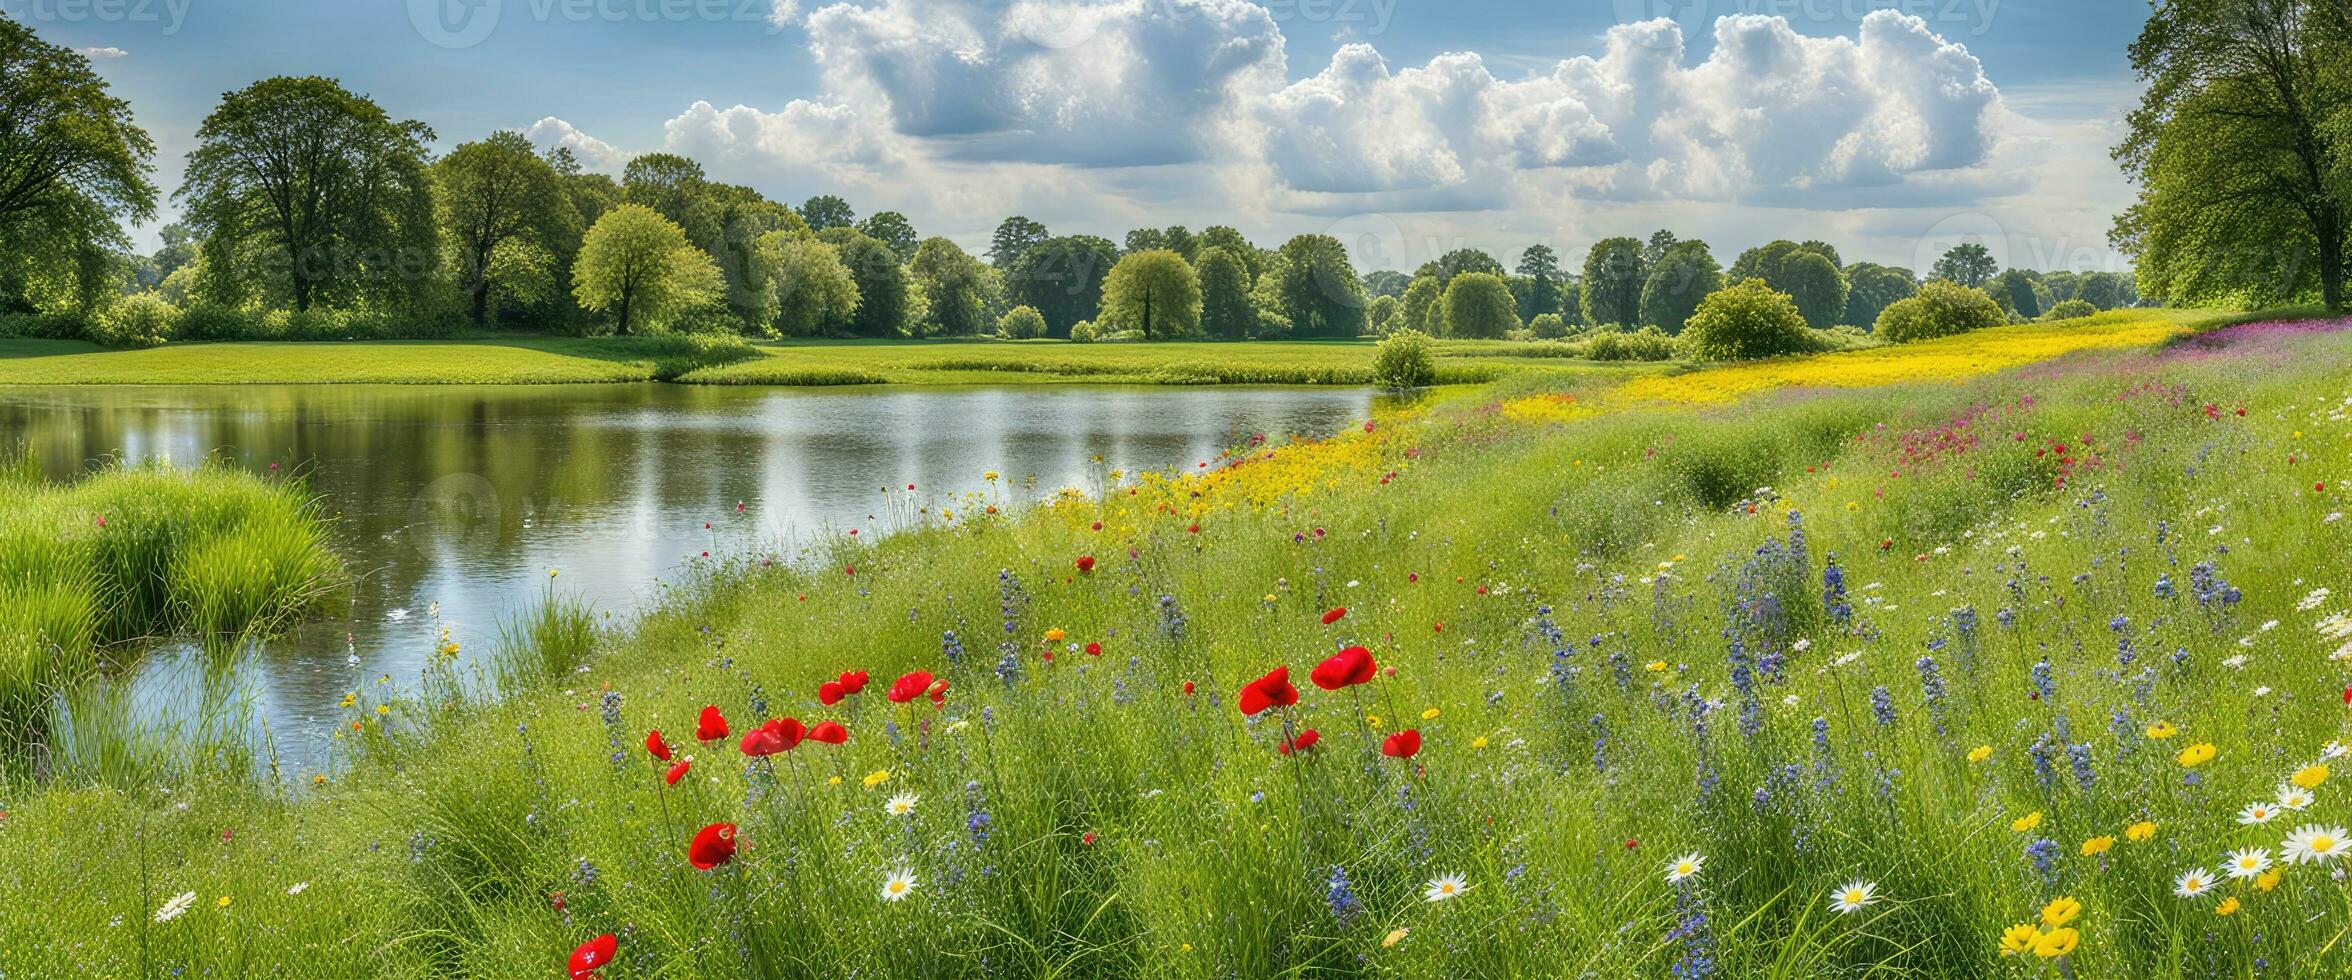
pixel 1021 323
pixel 1405 359
pixel 138 320
pixel 44 326
pixel 1942 308
pixel 1746 320
pixel 2069 310
pixel 1548 326
pixel 1083 332
pixel 1645 344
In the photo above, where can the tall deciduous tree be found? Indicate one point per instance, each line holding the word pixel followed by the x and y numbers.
pixel 2242 150
pixel 1541 266
pixel 1155 291
pixel 1224 284
pixel 1871 288
pixel 1320 292
pixel 1061 278
pixel 1230 239
pixel 1479 304
pixel 1613 279
pixel 892 228
pixel 495 194
pixel 329 192
pixel 1420 307
pixel 886 303
pixel 826 211
pixel 1014 236
pixel 1682 277
pixel 814 290
pixel 73 166
pixel 1818 288
pixel 954 287
pixel 1968 263
pixel 638 266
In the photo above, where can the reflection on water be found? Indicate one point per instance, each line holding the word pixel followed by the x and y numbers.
pixel 467 496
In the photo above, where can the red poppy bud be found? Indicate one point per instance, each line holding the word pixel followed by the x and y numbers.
pixel 1334 615
pixel 712 846
pixel 655 745
pixel 1094 649
pixel 828 732
pixel 592 954
pixel 2347 696
pixel 1402 745
pixel 1098 525
pixel 677 772
pixel 714 725
pixel 1086 563
pixel 1194 529
pixel 910 686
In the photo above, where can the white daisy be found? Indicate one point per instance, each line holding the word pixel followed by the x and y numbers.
pixel 1683 867
pixel 901 805
pixel 2293 797
pixel 1853 896
pixel 178 905
pixel 298 888
pixel 2313 844
pixel 2257 813
pixel 2247 863
pixel 1444 887
pixel 898 886
pixel 2193 883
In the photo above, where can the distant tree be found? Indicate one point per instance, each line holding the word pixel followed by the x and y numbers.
pixel 2014 289
pixel 1823 249
pixel 1419 309
pixel 1266 297
pixel 826 211
pixel 666 182
pixel 1661 242
pixel 1968 263
pixel 1458 261
pixel 1181 241
pixel 1386 282
pixel 1941 308
pixel 1479 304
pixel 1548 326
pixel 1143 240
pixel 1320 292
pixel 1381 313
pixel 73 167
pixel 498 193
pixel 328 193
pixel 1814 282
pixel 638 266
pixel 1156 292
pixel 1572 303
pixel 954 287
pixel 1613 280
pixel 814 290
pixel 1221 236
pixel 886 302
pixel 179 248
pixel 1014 236
pixel 1747 319
pixel 2104 290
pixel 1225 288
pixel 891 228
pixel 1541 266
pixel 2069 309
pixel 1679 280
pixel 1061 278
pixel 1871 288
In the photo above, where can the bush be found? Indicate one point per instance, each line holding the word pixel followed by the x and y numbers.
pixel 1942 308
pixel 1746 320
pixel 1083 332
pixel 139 320
pixel 1645 344
pixel 1405 359
pixel 1021 323
pixel 1548 326
pixel 2069 310
pixel 44 326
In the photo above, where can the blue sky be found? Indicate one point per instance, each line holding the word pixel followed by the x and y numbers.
pixel 1404 126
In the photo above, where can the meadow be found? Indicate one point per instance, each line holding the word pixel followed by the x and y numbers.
pixel 2021 652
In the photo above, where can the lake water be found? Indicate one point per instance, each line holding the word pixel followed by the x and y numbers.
pixel 467 496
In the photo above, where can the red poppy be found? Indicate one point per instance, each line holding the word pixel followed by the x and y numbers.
pixel 2347 695
pixel 655 745
pixel 1402 745
pixel 828 732
pixel 712 846
pixel 1086 563
pixel 1347 668
pixel 1334 615
pixel 1194 529
pixel 1305 740
pixel 592 954
pixel 714 725
pixel 910 686
pixel 1271 691
pixel 677 772
pixel 853 681
pixel 778 735
pixel 939 693
pixel 831 693
pixel 1094 649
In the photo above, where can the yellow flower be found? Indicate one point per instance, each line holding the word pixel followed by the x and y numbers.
pixel 877 778
pixel 990 476
pixel 2309 777
pixel 2228 906
pixel 1184 947
pixel 1054 635
pixel 223 901
pixel 349 700
pixel 832 780
pixel 1479 742
pixel 2097 845
pixel 1372 720
pixel 2269 879
pixel 2060 911
pixel 383 709
pixel 1853 505
pixel 2196 755
pixel 1269 597
pixel 2056 942
pixel 2140 833
pixel 2019 938
pixel 1656 666
pixel 1395 936
pixel 2162 729
pixel 318 779
pixel 1980 753
pixel 2027 822
pixel 1429 715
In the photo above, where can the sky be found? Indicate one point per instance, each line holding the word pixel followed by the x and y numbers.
pixel 1889 128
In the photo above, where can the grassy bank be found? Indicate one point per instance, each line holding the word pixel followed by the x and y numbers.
pixel 1982 640
pixel 483 361
pixel 131 553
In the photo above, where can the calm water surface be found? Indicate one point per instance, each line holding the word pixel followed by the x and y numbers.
pixel 467 496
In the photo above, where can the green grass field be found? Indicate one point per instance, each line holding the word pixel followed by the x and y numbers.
pixel 2017 651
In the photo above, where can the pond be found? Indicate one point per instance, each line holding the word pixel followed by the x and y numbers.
pixel 461 498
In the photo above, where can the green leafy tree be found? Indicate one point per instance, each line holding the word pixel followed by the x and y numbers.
pixel 667 183
pixel 1870 288
pixel 1320 293
pixel 2015 290
pixel 1182 241
pixel 1014 236
pixel 499 199
pixel 1021 323
pixel 1613 280
pixel 1818 287
pixel 2069 309
pixel 2104 290
pixel 1823 249
pixel 1061 278
pixel 1386 282
pixel 1381 313
pixel 1548 326
pixel 1225 237
pixel 1225 288
pixel 300 183
pixel 1458 261
pixel 1143 240
pixel 1678 281
pixel 1479 304
pixel 1747 319
pixel 1421 304
pixel 892 228
pixel 1968 263
pixel 638 266
pixel 1940 309
pixel 1154 291
pixel 826 211
pixel 2242 150
pixel 1661 242
pixel 954 287
pixel 886 301
pixel 73 167
pixel 1541 266
pixel 814 290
